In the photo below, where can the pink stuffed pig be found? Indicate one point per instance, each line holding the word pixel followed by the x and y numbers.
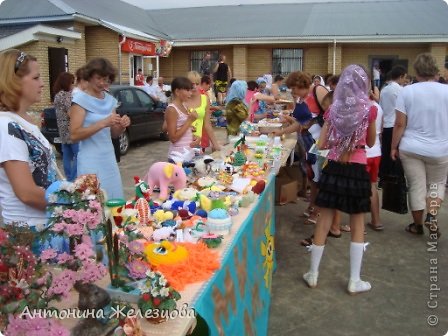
pixel 164 174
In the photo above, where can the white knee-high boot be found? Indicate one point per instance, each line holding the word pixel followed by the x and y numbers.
pixel 355 284
pixel 316 255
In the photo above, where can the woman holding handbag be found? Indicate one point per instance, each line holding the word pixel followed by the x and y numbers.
pixel 420 140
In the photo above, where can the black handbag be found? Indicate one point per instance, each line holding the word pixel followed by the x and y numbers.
pixel 395 191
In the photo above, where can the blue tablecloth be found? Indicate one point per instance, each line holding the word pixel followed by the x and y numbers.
pixel 236 300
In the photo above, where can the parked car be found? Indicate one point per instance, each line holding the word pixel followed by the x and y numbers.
pixel 49 127
pixel 146 119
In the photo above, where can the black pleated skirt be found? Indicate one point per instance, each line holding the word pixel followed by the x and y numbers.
pixel 345 187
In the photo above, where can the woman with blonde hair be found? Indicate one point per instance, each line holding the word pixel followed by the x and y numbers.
pixel 420 140
pixel 27 162
pixel 199 102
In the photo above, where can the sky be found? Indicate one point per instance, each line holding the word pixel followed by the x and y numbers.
pixel 159 4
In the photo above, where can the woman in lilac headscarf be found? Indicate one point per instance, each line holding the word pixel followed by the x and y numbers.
pixel 344 184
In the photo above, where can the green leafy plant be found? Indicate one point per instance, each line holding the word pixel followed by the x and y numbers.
pixel 156 294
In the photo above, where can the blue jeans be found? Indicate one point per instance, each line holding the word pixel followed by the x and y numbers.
pixel 69 155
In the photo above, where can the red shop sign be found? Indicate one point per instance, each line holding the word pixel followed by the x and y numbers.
pixel 138 47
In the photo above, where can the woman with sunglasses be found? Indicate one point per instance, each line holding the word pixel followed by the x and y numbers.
pixel 27 162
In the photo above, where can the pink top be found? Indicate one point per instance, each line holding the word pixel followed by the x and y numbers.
pixel 187 137
pixel 359 155
pixel 249 95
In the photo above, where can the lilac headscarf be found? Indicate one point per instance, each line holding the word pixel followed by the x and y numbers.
pixel 348 115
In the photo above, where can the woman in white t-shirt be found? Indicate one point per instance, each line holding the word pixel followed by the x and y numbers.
pixel 27 162
pixel 420 135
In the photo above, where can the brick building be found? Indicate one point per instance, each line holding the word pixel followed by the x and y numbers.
pixel 318 38
pixel 64 35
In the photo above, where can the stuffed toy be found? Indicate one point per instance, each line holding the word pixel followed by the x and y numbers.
pixel 202 166
pixel 164 174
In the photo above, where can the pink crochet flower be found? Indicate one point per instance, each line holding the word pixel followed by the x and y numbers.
pixel 137 269
pixel 64 258
pixel 63 283
pixel 91 271
pixel 135 247
pixel 83 251
pixel 74 229
pixel 36 326
pixel 48 254
pixel 58 227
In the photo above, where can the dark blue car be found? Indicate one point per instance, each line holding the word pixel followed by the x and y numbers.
pixel 146 119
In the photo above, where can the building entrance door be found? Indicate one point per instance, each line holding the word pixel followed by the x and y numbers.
pixel 57 63
pixel 135 63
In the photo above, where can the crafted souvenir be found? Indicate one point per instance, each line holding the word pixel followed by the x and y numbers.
pixel 164 174
pixel 212 240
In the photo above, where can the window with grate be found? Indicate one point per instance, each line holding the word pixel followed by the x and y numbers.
pixel 285 61
pixel 197 56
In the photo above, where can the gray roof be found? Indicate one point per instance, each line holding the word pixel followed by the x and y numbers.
pixel 372 18
pixel 114 11
pixel 13 29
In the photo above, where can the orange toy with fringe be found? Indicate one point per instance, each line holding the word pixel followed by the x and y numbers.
pixel 199 266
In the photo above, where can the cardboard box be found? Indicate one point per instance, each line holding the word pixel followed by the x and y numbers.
pixel 288 182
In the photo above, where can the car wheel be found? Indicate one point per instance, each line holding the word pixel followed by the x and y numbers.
pixel 124 143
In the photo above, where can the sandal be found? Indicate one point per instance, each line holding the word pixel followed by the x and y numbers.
pixel 379 227
pixel 307 241
pixel 334 235
pixel 431 225
pixel 312 219
pixel 308 212
pixel 414 229
pixel 345 228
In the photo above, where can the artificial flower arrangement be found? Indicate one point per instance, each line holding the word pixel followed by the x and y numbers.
pixel 157 298
pixel 30 281
pixel 24 287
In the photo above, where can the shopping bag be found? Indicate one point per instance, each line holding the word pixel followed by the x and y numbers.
pixel 395 198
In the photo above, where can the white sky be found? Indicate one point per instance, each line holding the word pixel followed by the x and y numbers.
pixel 158 4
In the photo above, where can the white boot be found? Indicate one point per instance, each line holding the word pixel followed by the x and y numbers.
pixel 355 284
pixel 316 255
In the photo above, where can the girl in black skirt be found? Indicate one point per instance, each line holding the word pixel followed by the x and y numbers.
pixel 344 184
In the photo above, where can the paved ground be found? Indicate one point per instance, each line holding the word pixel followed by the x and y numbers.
pixel 396 263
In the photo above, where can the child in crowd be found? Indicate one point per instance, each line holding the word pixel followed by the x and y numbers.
pixel 178 117
pixel 373 167
pixel 345 184
pixel 335 229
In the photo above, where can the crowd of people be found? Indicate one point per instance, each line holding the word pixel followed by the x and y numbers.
pixel 367 133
